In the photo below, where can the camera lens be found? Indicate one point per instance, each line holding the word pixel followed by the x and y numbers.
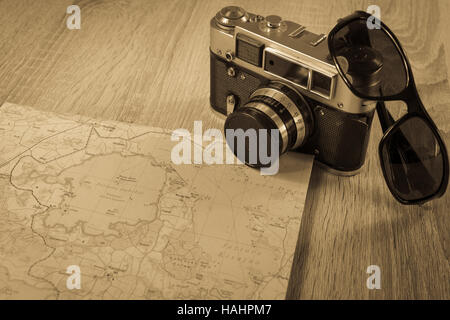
pixel 275 106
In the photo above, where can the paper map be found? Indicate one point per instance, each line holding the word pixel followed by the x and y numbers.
pixel 104 196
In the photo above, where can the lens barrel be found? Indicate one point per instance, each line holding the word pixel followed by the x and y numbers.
pixel 275 106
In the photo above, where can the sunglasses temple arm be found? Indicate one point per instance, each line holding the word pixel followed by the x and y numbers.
pixel 386 119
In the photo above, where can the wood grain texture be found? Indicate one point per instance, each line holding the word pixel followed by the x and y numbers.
pixel 147 62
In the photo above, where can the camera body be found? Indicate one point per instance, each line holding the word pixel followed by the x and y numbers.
pixel 283 74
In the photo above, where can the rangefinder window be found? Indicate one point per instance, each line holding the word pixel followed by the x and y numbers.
pixel 249 50
pixel 321 84
pixel 286 69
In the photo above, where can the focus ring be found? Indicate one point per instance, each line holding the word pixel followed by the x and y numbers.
pixel 275 118
pixel 281 111
pixel 288 103
pixel 301 104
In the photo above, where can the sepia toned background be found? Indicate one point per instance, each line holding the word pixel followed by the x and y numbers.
pixel 147 62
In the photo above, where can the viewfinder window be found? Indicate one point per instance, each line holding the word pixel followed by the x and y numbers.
pixel 321 84
pixel 286 69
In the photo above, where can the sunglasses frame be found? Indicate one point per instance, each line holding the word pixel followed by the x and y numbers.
pixel 409 95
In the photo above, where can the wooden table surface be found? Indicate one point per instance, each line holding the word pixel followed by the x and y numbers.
pixel 146 61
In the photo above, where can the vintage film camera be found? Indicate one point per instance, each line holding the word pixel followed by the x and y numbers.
pixel 270 73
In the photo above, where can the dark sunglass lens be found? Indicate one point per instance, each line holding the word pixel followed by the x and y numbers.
pixel 370 60
pixel 412 159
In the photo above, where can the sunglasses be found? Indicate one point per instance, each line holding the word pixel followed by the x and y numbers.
pixel 374 66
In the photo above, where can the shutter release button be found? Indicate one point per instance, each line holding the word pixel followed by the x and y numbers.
pixel 273 21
